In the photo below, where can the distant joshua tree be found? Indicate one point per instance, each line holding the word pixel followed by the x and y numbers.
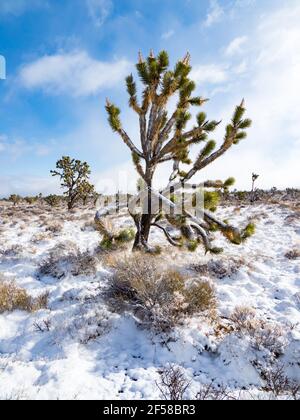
pixel 88 191
pixel 254 178
pixel 15 199
pixel 31 200
pixel 52 200
pixel 165 138
pixel 74 176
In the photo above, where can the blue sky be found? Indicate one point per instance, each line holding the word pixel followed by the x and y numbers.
pixel 64 57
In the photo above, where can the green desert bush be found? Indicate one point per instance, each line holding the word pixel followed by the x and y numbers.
pixel 111 239
pixel 125 235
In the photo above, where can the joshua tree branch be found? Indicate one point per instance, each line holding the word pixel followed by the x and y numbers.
pixel 129 143
pixel 168 236
pixel 207 161
pixel 143 130
pixel 203 235
pixel 166 132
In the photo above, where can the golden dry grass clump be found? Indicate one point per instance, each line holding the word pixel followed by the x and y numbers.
pixel 159 298
pixel 13 297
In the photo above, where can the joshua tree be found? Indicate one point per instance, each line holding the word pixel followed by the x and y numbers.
pixel 15 199
pixel 74 175
pixel 166 138
pixel 254 178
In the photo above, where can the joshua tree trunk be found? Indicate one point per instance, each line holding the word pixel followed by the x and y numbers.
pixel 143 231
pixel 144 221
pixel 71 202
pixel 252 195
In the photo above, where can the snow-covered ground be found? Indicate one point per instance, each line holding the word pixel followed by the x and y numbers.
pixel 79 349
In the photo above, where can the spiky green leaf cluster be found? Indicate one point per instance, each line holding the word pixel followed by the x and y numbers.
pixel 229 182
pixel 211 200
pixel 248 231
pixel 235 131
pixel 113 116
pixel 208 149
pixel 183 118
pixel 131 89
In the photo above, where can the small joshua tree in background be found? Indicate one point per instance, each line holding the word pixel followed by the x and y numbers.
pixel 254 178
pixel 88 192
pixel 15 199
pixel 165 138
pixel 96 196
pixel 30 200
pixel 74 176
pixel 53 200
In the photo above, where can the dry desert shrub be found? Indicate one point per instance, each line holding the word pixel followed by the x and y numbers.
pixel 54 227
pixel 159 298
pixel 41 237
pixel 62 262
pixel 85 217
pixel 293 217
pixel 13 297
pixel 12 252
pixel 37 211
pixel 294 254
pixel 200 296
pixel 243 318
pixel 214 392
pixel 219 268
pixel 278 383
pixel 91 325
pixel 88 226
pixel 269 336
pixel 264 335
pixel 173 383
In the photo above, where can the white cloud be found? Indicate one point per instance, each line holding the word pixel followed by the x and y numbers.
pixel 210 73
pixel 15 148
pixel 28 185
pixel 235 47
pixel 18 7
pixel 215 13
pixel 99 10
pixel 271 90
pixel 74 73
pixel 274 96
pixel 241 68
pixel 168 35
pixel 268 76
pixel 244 3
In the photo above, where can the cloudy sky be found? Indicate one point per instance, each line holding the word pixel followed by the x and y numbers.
pixel 64 57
